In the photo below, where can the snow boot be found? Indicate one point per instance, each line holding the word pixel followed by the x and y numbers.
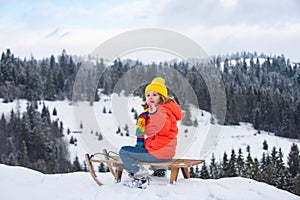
pixel 141 173
pixel 141 183
pixel 139 179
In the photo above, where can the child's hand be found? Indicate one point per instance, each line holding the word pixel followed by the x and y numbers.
pixel 151 106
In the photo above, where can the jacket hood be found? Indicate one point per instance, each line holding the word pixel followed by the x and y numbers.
pixel 174 109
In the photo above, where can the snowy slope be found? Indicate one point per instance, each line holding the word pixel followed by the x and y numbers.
pixel 18 182
pixel 198 142
pixel 22 183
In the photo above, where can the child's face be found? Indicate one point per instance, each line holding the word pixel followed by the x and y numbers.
pixel 152 97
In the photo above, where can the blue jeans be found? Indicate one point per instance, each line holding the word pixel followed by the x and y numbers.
pixel 131 155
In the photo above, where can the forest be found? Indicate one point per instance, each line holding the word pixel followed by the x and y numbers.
pixel 260 89
pixel 270 169
pixel 31 139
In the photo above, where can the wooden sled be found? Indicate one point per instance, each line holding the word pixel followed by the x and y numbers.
pixel 116 166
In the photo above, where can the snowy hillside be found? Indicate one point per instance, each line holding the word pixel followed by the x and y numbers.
pixel 87 122
pixel 22 183
pixel 193 142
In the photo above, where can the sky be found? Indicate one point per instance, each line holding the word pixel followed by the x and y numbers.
pixel 44 28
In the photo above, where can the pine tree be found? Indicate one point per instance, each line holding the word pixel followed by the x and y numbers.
pixel 257 119
pixel 76 165
pixel 224 166
pixel 232 107
pixel 23 157
pixel 12 159
pixel 240 163
pixel 232 165
pixel 280 171
pixel 263 166
pixel 85 166
pixel 294 161
pixel 213 169
pixel 274 164
pixel 102 168
pixel 265 145
pixel 33 87
pixel 204 174
pixel 293 168
pixel 255 170
pixel 249 166
pixel 269 171
pixel 49 92
pixel 3 136
pixel 54 112
pixel 297 185
pixel 289 181
pixel 100 137
pixel 197 171
pixel 72 140
pixel 61 129
pixel 297 117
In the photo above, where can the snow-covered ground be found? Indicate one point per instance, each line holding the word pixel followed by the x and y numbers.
pixel 22 183
pixel 193 142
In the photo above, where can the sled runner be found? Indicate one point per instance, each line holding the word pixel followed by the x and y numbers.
pixel 116 166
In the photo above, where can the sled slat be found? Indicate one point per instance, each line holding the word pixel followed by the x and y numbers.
pixel 91 169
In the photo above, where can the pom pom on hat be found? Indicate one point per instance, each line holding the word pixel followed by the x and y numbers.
pixel 157 85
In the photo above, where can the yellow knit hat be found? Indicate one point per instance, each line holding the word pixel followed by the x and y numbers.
pixel 157 85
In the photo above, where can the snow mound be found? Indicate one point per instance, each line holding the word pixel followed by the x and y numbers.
pixel 26 184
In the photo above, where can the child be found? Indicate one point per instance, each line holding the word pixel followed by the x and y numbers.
pixel 158 123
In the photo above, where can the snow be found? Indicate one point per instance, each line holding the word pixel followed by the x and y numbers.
pixel 198 142
pixel 234 62
pixel 22 183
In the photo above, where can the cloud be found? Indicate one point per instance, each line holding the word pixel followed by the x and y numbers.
pixel 229 5
pixel 64 34
pixel 213 13
pixel 57 33
pixel 246 37
pixel 217 25
pixel 53 33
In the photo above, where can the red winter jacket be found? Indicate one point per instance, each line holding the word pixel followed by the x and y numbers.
pixel 162 130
